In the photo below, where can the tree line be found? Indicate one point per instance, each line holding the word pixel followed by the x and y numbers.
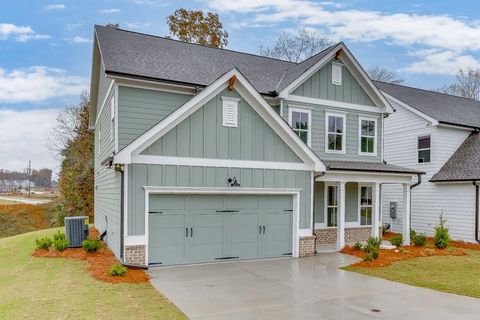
pixel 41 178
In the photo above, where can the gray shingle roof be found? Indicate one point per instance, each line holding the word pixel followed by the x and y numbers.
pixel 442 107
pixel 131 53
pixel 464 164
pixel 367 166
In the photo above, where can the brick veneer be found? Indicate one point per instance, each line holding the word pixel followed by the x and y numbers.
pixel 306 246
pixel 135 255
pixel 353 234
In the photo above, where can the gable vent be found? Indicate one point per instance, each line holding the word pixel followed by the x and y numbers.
pixel 337 73
pixel 230 111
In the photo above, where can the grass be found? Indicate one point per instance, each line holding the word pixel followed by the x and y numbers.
pixel 20 218
pixel 7 202
pixel 454 274
pixel 49 288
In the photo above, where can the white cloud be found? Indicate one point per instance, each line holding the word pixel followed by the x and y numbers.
pixel 20 33
pixel 138 25
pixel 109 11
pixel 38 83
pixel 442 62
pixel 78 39
pixel 55 6
pixel 24 136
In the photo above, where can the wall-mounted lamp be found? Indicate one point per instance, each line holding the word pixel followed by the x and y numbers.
pixel 233 182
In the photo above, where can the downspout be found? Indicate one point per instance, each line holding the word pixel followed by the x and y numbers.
pixel 476 210
pixel 122 189
pixel 419 180
pixel 313 221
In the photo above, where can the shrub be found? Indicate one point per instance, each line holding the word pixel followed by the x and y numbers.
pixel 357 246
pixel 396 240
pixel 117 270
pixel 441 237
pixel 385 227
pixel 43 243
pixel 91 245
pixel 373 242
pixel 413 233
pixel 372 249
pixel 368 257
pixel 419 240
pixel 60 242
pixel 59 236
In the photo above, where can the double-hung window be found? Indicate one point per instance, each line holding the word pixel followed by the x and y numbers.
pixel 335 133
pixel 332 206
pixel 424 149
pixel 367 136
pixel 300 121
pixel 366 204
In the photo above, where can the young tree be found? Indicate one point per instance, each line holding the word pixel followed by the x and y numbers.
pixel 467 84
pixel 195 26
pixel 379 73
pixel 297 47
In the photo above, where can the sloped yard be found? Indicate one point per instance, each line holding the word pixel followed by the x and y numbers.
pixel 46 288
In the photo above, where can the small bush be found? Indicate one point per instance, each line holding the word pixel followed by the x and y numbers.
pixel 385 227
pixel 396 240
pixel 373 242
pixel 413 233
pixel 117 270
pixel 91 245
pixel 59 236
pixel 419 240
pixel 357 246
pixel 372 249
pixel 43 243
pixel 60 242
pixel 368 257
pixel 441 237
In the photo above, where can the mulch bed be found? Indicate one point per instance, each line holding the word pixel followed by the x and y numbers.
pixel 99 262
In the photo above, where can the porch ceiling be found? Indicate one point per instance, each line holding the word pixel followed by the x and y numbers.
pixel 378 167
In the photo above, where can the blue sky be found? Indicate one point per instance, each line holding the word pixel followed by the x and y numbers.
pixel 45 47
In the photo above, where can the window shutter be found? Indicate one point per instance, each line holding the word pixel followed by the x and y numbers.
pixel 337 74
pixel 230 112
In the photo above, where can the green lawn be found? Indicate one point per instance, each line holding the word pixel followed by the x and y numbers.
pixel 46 288
pixel 454 274
pixel 7 201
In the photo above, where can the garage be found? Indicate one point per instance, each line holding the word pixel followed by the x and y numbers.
pixel 187 229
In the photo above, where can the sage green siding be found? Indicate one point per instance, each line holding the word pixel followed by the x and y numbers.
pixel 202 135
pixel 320 86
pixel 352 132
pixel 140 109
pixel 319 202
pixel 107 183
pixel 140 175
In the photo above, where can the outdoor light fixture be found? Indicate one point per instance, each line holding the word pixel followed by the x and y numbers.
pixel 233 182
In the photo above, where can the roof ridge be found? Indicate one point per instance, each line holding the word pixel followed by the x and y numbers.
pixel 200 45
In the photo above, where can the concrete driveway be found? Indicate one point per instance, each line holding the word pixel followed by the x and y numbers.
pixel 308 288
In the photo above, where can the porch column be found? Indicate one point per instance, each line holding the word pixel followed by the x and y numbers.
pixel 341 216
pixel 376 210
pixel 406 214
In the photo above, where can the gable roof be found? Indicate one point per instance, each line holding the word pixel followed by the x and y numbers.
pixel 463 165
pixel 252 96
pixel 444 108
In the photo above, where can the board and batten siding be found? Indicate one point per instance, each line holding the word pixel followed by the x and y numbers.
pixel 320 86
pixel 140 109
pixel 140 175
pixel 428 200
pixel 352 131
pixel 107 182
pixel 202 135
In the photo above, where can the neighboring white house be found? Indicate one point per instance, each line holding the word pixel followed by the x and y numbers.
pixel 438 134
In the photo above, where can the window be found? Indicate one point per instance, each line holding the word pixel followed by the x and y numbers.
pixel 335 136
pixel 332 206
pixel 367 136
pixel 424 144
pixel 230 111
pixel 366 206
pixel 337 73
pixel 300 120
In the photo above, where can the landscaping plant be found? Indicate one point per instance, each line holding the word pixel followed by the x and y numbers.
pixel 441 237
pixel 385 227
pixel 60 242
pixel 43 243
pixel 117 270
pixel 396 240
pixel 413 233
pixel 419 240
pixel 372 249
pixel 91 245
pixel 357 246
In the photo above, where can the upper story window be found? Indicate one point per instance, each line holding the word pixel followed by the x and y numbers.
pixel 424 149
pixel 230 111
pixel 367 136
pixel 335 133
pixel 337 73
pixel 300 121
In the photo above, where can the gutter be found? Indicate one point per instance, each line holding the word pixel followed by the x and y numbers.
pixel 476 210
pixel 313 220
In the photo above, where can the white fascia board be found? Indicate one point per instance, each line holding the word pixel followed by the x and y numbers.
pixel 367 177
pixel 433 121
pixel 105 100
pixel 219 190
pixel 331 103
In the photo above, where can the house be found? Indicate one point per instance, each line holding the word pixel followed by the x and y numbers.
pixel 205 154
pixel 439 134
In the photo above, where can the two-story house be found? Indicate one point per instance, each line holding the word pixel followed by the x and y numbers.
pixel 436 133
pixel 204 154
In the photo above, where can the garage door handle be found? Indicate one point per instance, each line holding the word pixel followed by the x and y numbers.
pixel 186 232
pixel 263 229
pixel 191 232
pixel 259 229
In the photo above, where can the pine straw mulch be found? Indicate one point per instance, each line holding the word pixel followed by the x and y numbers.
pixel 99 262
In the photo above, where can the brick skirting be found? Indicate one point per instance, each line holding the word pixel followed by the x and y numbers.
pixel 353 234
pixel 306 246
pixel 135 255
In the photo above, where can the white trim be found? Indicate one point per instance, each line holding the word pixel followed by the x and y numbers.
pixel 326 205
pixel 251 96
pixel 209 162
pixel 295 192
pixel 344 133
pixel 339 68
pixel 429 149
pixel 433 121
pixel 134 241
pixel 375 137
pixel 97 116
pixel 366 177
pixel 366 185
pixel 308 111
pixel 125 202
pixel 332 103
pixel 229 102
pixel 153 85
pixel 116 118
pixel 312 199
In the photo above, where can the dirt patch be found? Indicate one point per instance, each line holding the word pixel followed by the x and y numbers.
pixel 389 235
pixel 99 262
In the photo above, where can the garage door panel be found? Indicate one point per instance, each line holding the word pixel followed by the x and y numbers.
pixel 241 202
pixel 167 202
pixel 206 238
pixel 201 202
pixel 167 238
pixel 275 202
pixel 277 239
pixel 244 235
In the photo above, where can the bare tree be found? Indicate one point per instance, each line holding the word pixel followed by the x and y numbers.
pixel 296 48
pixel 379 73
pixel 467 84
